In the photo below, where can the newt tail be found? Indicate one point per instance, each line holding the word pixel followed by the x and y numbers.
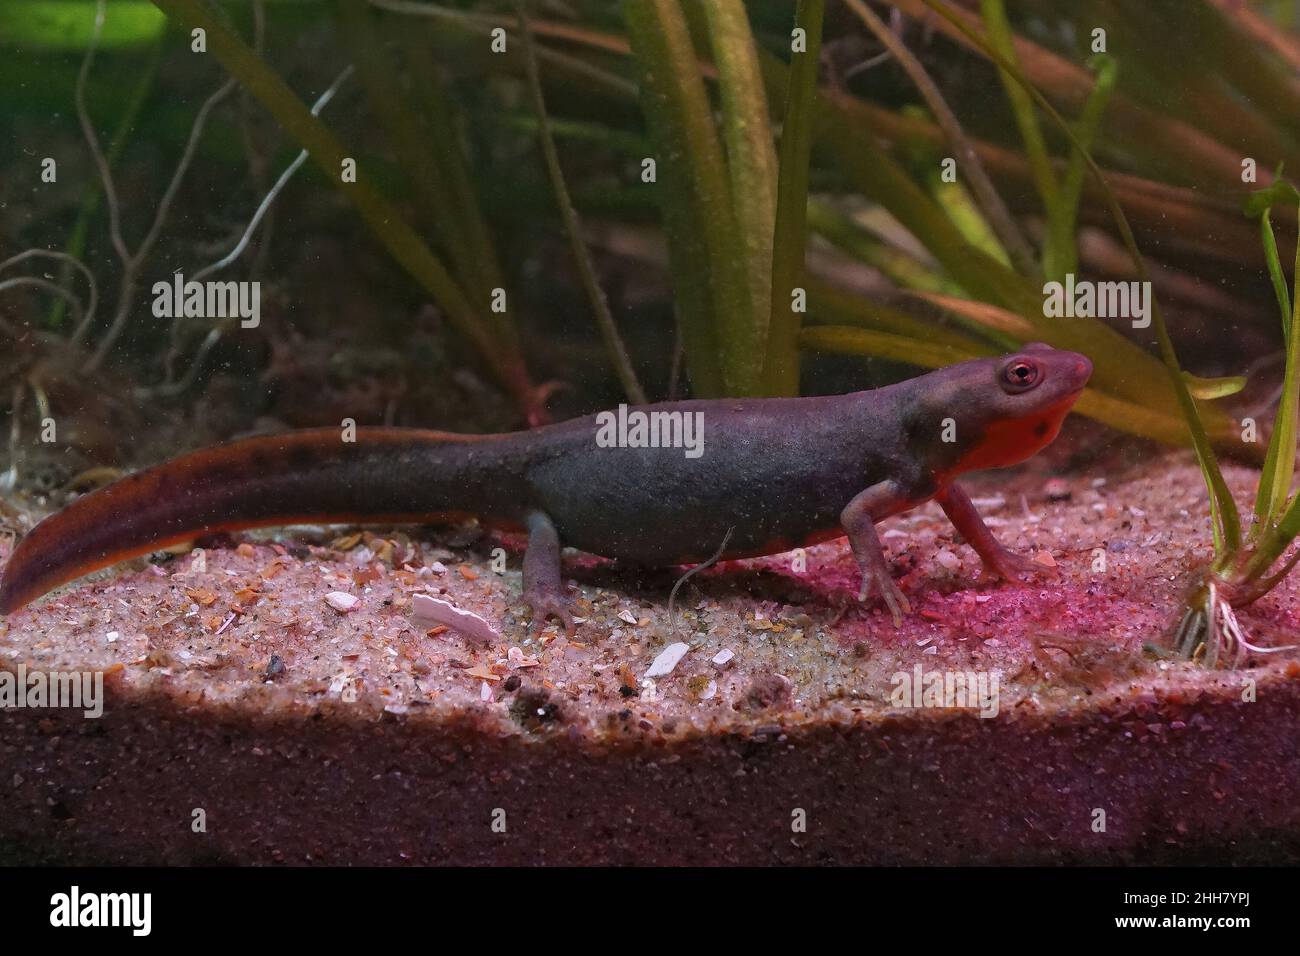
pixel 766 475
pixel 309 476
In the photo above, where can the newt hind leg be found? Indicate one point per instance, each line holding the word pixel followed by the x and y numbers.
pixel 543 590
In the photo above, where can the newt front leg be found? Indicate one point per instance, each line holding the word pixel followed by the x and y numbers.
pixel 961 512
pixel 859 522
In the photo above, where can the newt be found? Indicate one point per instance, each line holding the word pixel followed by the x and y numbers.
pixel 768 475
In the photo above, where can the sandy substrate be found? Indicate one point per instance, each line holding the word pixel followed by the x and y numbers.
pixel 309 734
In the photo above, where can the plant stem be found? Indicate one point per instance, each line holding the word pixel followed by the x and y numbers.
pixel 595 294
pixel 378 213
pixel 1061 256
pixel 1022 106
pixel 995 210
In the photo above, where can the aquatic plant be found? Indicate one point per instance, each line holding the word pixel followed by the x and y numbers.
pixel 735 196
pixel 76 348
pixel 1247 566
pixel 463 276
pixel 990 305
pixel 467 296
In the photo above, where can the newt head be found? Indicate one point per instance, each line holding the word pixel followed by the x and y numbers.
pixel 994 412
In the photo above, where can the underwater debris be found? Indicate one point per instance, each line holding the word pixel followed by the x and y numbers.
pixel 466 623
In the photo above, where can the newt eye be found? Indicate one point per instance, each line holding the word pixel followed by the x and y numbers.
pixel 1021 374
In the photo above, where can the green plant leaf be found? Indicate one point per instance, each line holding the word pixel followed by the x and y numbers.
pixel 1211 388
pixel 1280 193
pixel 1022 106
pixel 870 343
pixel 706 250
pixel 1226 520
pixel 1261 204
pixel 781 364
pixel 69 24
pixel 828 305
pixel 864 245
pixel 1062 215
pixel 1003 326
pixel 1279 461
pixel 751 158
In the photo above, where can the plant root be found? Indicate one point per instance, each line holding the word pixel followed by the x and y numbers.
pixel 1210 633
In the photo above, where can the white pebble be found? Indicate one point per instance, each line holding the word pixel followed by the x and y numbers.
pixel 948 559
pixel 342 602
pixel 724 657
pixel 667 660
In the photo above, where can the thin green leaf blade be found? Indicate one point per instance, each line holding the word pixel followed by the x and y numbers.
pixel 705 248
pixel 781 365
pixel 751 157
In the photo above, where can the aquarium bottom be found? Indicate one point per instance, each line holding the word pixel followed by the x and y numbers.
pixel 1179 778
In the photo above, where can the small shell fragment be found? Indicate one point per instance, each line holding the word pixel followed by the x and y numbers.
pixel 723 657
pixel 1057 489
pixel 466 623
pixel 342 602
pixel 667 660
